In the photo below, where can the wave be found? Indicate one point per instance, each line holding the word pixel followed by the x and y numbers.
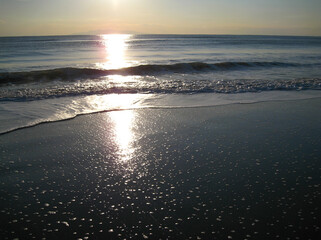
pixel 69 73
pixel 20 93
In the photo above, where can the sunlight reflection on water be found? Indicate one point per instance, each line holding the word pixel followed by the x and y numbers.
pixel 111 102
pixel 115 50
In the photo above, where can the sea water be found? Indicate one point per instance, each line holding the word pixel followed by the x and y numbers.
pixel 51 78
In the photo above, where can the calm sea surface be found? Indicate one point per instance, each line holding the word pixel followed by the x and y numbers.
pixel 58 77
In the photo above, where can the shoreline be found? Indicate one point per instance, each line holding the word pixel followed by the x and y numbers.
pixel 171 101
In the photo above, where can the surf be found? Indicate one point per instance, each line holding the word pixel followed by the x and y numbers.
pixel 70 73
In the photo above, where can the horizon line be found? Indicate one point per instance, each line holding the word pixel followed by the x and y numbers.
pixel 124 33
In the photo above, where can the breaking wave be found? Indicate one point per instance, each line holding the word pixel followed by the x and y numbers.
pixel 69 74
pixel 202 78
pixel 86 88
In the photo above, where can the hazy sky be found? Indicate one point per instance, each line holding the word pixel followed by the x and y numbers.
pixel 47 17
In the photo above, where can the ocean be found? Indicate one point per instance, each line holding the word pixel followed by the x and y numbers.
pixel 52 78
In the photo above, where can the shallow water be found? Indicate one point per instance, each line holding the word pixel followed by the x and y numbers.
pixel 20 114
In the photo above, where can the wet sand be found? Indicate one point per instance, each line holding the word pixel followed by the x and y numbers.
pixel 242 171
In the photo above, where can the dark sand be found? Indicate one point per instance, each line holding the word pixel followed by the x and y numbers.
pixel 247 171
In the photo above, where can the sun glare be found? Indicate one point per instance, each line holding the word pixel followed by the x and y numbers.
pixel 123 121
pixel 115 50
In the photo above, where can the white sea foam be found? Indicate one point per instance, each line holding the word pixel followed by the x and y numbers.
pixel 15 115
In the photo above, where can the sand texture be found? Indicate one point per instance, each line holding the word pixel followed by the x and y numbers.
pixel 242 171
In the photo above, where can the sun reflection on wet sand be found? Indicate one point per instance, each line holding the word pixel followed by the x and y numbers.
pixel 123 121
pixel 124 136
pixel 115 48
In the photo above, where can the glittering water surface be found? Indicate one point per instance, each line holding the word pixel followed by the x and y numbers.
pixel 230 172
pixel 50 78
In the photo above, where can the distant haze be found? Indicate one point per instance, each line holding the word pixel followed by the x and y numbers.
pixel 60 17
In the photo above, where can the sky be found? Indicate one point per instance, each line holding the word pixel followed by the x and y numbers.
pixel 64 17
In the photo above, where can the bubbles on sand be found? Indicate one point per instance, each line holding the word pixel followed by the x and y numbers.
pixel 190 180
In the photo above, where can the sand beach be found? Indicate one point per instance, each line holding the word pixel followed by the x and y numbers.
pixel 239 171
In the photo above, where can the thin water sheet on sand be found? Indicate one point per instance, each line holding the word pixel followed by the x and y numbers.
pixel 242 171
